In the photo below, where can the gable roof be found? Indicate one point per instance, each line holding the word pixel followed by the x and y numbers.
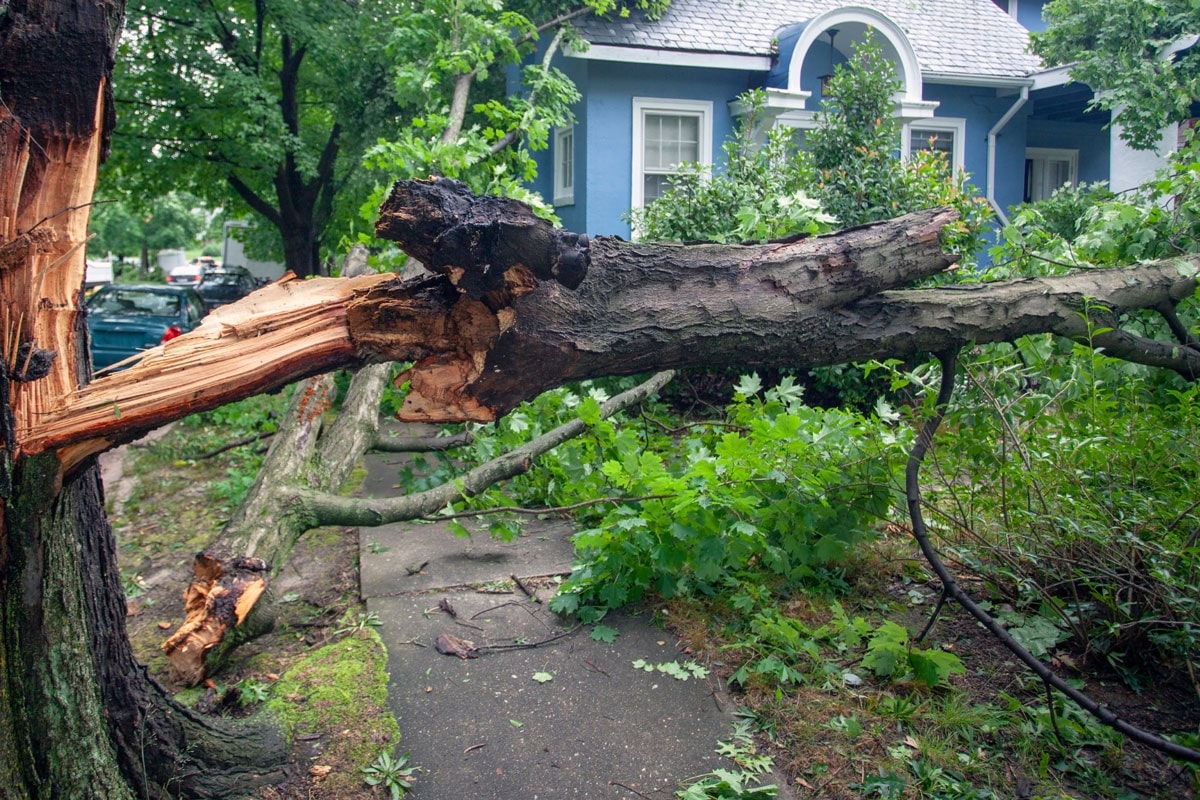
pixel 966 38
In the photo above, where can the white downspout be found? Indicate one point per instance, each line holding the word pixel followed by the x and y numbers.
pixel 991 152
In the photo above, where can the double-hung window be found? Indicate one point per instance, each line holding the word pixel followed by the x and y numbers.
pixel 940 134
pixel 564 166
pixel 666 134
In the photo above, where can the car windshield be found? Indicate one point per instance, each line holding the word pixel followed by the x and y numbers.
pixel 128 301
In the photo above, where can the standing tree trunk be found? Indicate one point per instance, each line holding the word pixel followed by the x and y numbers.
pixel 78 716
pixel 303 201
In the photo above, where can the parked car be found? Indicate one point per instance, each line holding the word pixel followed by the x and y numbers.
pixel 191 273
pixel 221 285
pixel 124 320
pixel 185 275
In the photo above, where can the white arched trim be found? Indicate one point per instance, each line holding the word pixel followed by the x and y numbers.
pixel 850 20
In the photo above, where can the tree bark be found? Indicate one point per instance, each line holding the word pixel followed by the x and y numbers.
pixel 79 718
pixel 480 342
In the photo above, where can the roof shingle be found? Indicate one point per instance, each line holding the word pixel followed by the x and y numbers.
pixel 952 37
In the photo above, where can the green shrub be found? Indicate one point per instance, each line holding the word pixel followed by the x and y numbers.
pixel 782 486
pixel 1072 475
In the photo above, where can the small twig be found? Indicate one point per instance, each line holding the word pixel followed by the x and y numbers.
pixel 64 210
pixel 937 610
pixel 444 606
pixel 483 512
pixel 243 441
pixel 519 605
pixel 629 788
pixel 704 423
pixel 528 645
pixel 587 662
pixel 528 593
pixel 1054 716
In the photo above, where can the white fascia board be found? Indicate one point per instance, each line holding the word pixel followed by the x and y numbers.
pixel 779 101
pixel 959 79
pixel 672 58
pixel 1058 76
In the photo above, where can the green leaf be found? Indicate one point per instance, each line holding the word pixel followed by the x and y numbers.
pixel 932 667
pixel 1038 635
pixel 564 603
pixel 749 385
pixel 543 677
pixel 589 411
pixel 603 633
pixel 516 723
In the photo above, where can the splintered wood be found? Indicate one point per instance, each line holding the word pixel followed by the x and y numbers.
pixel 219 598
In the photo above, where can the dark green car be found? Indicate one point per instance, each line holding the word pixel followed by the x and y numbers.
pixel 124 320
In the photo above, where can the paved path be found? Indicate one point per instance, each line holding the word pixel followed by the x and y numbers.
pixel 484 728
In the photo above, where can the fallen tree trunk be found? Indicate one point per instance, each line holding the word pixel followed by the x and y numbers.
pixel 484 338
pixel 640 307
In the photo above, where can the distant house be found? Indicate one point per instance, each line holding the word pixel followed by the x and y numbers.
pixel 655 94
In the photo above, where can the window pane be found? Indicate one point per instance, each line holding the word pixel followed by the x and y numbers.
pixel 688 138
pixel 566 163
pixel 1058 172
pixel 654 187
pixel 671 139
pixel 654 158
pixel 941 141
pixel 1044 174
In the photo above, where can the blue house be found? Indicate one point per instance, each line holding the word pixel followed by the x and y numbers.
pixel 658 93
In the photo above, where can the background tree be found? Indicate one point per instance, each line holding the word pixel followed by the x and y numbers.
pixel 173 221
pixel 257 108
pixel 1138 55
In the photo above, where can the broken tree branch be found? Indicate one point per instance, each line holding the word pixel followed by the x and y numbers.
pixel 328 509
pixel 478 350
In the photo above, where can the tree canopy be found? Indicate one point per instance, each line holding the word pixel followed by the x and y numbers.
pixel 259 109
pixel 256 108
pixel 1139 55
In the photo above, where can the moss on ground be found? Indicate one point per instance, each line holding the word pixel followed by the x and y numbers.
pixel 340 692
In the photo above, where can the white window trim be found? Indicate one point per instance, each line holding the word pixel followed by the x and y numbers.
pixel 653 105
pixel 955 125
pixel 563 195
pixel 1057 154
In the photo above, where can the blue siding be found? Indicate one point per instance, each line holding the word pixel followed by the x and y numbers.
pixel 573 216
pixel 982 109
pixel 606 162
pixel 1091 140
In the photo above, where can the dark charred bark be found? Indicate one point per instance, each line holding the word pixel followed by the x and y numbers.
pixel 478 242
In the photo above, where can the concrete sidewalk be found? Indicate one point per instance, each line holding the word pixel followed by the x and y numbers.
pixel 588 725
